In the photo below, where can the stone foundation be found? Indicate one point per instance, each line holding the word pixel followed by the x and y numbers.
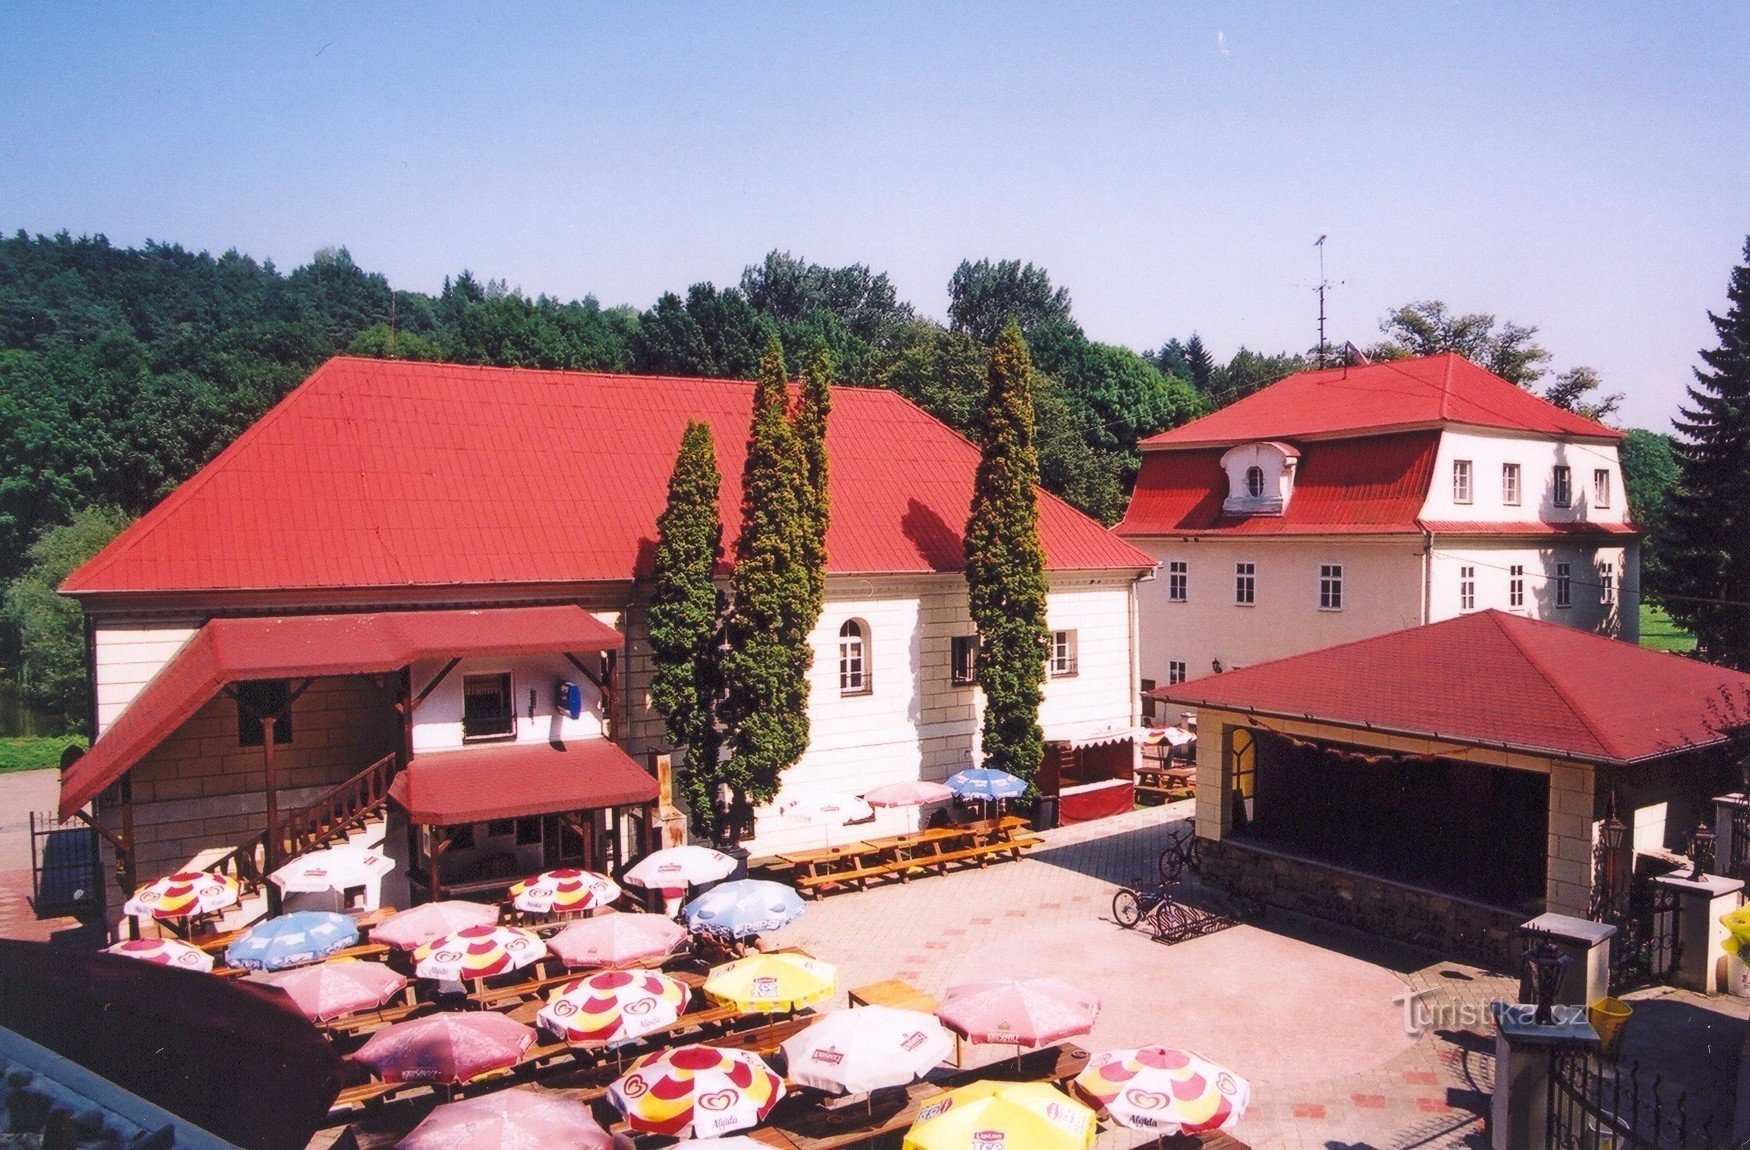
pixel 1449 926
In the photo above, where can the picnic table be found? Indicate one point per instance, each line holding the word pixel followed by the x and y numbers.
pixel 902 856
pixel 1166 781
pixel 896 993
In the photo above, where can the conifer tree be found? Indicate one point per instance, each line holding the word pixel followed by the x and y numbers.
pixel 1707 552
pixel 685 620
pixel 1005 565
pixel 813 406
pixel 766 687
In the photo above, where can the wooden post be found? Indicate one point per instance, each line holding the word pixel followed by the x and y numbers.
pixel 406 708
pixel 438 842
pixel 126 875
pixel 272 848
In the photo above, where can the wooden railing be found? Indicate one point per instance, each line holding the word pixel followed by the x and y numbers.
pixel 329 817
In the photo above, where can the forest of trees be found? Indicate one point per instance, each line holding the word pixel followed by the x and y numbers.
pixel 123 370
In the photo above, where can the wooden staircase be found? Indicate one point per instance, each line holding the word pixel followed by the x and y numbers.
pixel 330 818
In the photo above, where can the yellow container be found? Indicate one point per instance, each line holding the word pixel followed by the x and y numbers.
pixel 1609 1016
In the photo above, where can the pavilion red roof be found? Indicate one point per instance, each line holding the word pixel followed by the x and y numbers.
pixel 381 473
pixel 1494 679
pixel 1427 391
pixel 511 780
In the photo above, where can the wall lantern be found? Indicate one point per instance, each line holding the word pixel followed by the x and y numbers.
pixel 1545 965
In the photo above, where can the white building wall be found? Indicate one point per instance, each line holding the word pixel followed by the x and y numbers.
pixel 1537 457
pixel 437 722
pixel 1492 564
pixel 126 659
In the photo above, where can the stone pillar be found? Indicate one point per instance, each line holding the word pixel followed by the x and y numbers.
pixel 1588 944
pixel 1726 845
pixel 1519 1110
pixel 1700 903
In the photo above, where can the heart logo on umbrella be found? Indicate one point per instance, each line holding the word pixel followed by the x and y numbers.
pixel 641 1006
pixel 1146 1099
pixel 718 1100
pixel 633 1086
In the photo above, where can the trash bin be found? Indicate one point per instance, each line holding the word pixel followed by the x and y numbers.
pixel 1609 1017
pixel 1044 812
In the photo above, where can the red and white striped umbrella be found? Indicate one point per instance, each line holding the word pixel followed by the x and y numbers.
pixel 331 989
pixel 614 1006
pixel 184 893
pixel 413 928
pixel 1018 1012
pixel 165 952
pixel 521 1118
pixel 563 890
pixel 702 1090
pixel 478 952
pixel 617 940
pixel 450 1047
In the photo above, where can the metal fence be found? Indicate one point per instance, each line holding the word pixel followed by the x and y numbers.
pixel 1594 1105
pixel 66 868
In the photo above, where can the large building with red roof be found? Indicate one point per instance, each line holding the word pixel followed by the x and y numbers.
pixel 1348 502
pixel 368 565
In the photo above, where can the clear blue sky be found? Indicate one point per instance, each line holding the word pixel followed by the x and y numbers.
pixel 1584 168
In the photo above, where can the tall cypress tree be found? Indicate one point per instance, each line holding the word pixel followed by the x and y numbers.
pixel 766 687
pixel 1707 551
pixel 1005 565
pixel 685 620
pixel 813 406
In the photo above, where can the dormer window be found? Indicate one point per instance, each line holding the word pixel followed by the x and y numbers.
pixel 1260 478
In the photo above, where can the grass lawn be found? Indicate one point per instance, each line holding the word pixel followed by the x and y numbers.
pixel 33 752
pixel 1659 632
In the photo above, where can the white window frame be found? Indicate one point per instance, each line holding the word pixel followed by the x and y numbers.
pixel 1461 481
pixel 1510 485
pixel 1245 583
pixel 1467 588
pixel 1607 583
pixel 1176 672
pixel 1064 661
pixel 855 674
pixel 1561 486
pixel 1564 584
pixel 1601 487
pixel 1330 586
pixel 1255 481
pixel 1516 585
pixel 1178 581
pixel 508 683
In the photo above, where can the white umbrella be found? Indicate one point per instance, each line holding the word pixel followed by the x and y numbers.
pixel 866 1048
pixel 337 868
pixel 909 794
pixel 680 866
pixel 828 810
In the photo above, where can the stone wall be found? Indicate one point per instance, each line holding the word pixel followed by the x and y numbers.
pixel 1445 925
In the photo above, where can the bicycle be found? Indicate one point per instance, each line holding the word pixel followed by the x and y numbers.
pixel 1181 854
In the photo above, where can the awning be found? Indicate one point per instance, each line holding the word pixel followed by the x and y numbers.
pixel 1079 735
pixel 511 780
pixel 306 646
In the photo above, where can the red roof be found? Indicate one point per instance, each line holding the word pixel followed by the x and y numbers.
pixel 379 473
pixel 1374 485
pixel 1495 679
pixel 1521 527
pixel 303 646
pixel 1428 391
pixel 510 780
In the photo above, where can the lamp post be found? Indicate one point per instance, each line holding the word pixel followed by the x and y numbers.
pixel 1611 835
pixel 1701 851
pixel 1545 965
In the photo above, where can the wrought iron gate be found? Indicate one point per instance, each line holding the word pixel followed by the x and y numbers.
pixel 1647 945
pixel 1594 1105
pixel 65 866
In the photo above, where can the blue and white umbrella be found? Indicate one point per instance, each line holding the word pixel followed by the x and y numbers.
pixel 292 940
pixel 744 908
pixel 986 783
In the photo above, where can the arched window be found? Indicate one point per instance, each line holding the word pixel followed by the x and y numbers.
pixel 854 658
pixel 1254 481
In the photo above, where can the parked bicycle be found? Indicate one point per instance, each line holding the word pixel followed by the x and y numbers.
pixel 1158 907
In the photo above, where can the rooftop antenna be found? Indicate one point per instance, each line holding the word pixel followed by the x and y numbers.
pixel 1322 285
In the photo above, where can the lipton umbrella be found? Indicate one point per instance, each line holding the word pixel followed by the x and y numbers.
pixel 478 952
pixel 614 1006
pixel 182 894
pixel 336 868
pixel 331 989
pixel 680 866
pixel 704 1090
pixel 1002 1116
pixel 520 1118
pixel 828 810
pixel 450 1047
pixel 413 928
pixel 165 952
pixel 563 890
pixel 617 940
pixel 866 1048
pixel 908 794
pixel 771 983
pixel 1164 1091
pixel 292 940
pixel 744 908
pixel 1022 1012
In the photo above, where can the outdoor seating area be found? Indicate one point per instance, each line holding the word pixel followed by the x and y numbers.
pixel 904 857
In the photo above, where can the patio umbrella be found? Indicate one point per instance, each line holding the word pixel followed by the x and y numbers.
pixel 744 908
pixel 909 794
pixel 696 1089
pixel 1002 1116
pixel 165 952
pixel 1165 1091
pixel 563 890
pixel 516 1119
pixel 331 989
pixel 828 810
pixel 866 1048
pixel 412 929
pixel 1022 1012
pixel 986 783
pixel 617 940
pixel 450 1047
pixel 614 1006
pixel 478 952
pixel 292 940
pixel 688 865
pixel 337 868
pixel 184 893
pixel 771 983
pixel 729 1142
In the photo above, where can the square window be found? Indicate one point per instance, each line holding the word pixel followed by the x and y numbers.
pixel 1178 581
pixel 1330 586
pixel 500 828
pixel 528 831
pixel 261 698
pixel 486 712
pixel 1063 654
pixel 1176 672
pixel 1510 484
pixel 1601 487
pixel 462 837
pixel 1562 486
pixel 963 660
pixel 1461 481
pixel 1245 584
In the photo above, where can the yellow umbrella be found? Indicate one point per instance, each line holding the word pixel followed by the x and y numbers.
pixel 1002 1116
pixel 772 983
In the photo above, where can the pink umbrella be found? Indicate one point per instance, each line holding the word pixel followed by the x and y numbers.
pixel 331 989
pixel 1021 1012
pixel 513 1119
pixel 412 929
pixel 451 1047
pixel 617 940
pixel 910 794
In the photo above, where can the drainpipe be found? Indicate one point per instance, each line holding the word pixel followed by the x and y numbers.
pixel 1427 572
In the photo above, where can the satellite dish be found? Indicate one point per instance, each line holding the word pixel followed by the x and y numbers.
pixel 1354 355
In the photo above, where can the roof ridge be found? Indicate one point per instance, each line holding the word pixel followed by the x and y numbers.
pixel 1553 683
pixel 1446 388
pixel 426 364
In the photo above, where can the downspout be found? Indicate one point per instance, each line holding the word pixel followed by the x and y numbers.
pixel 1136 646
pixel 1427 572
